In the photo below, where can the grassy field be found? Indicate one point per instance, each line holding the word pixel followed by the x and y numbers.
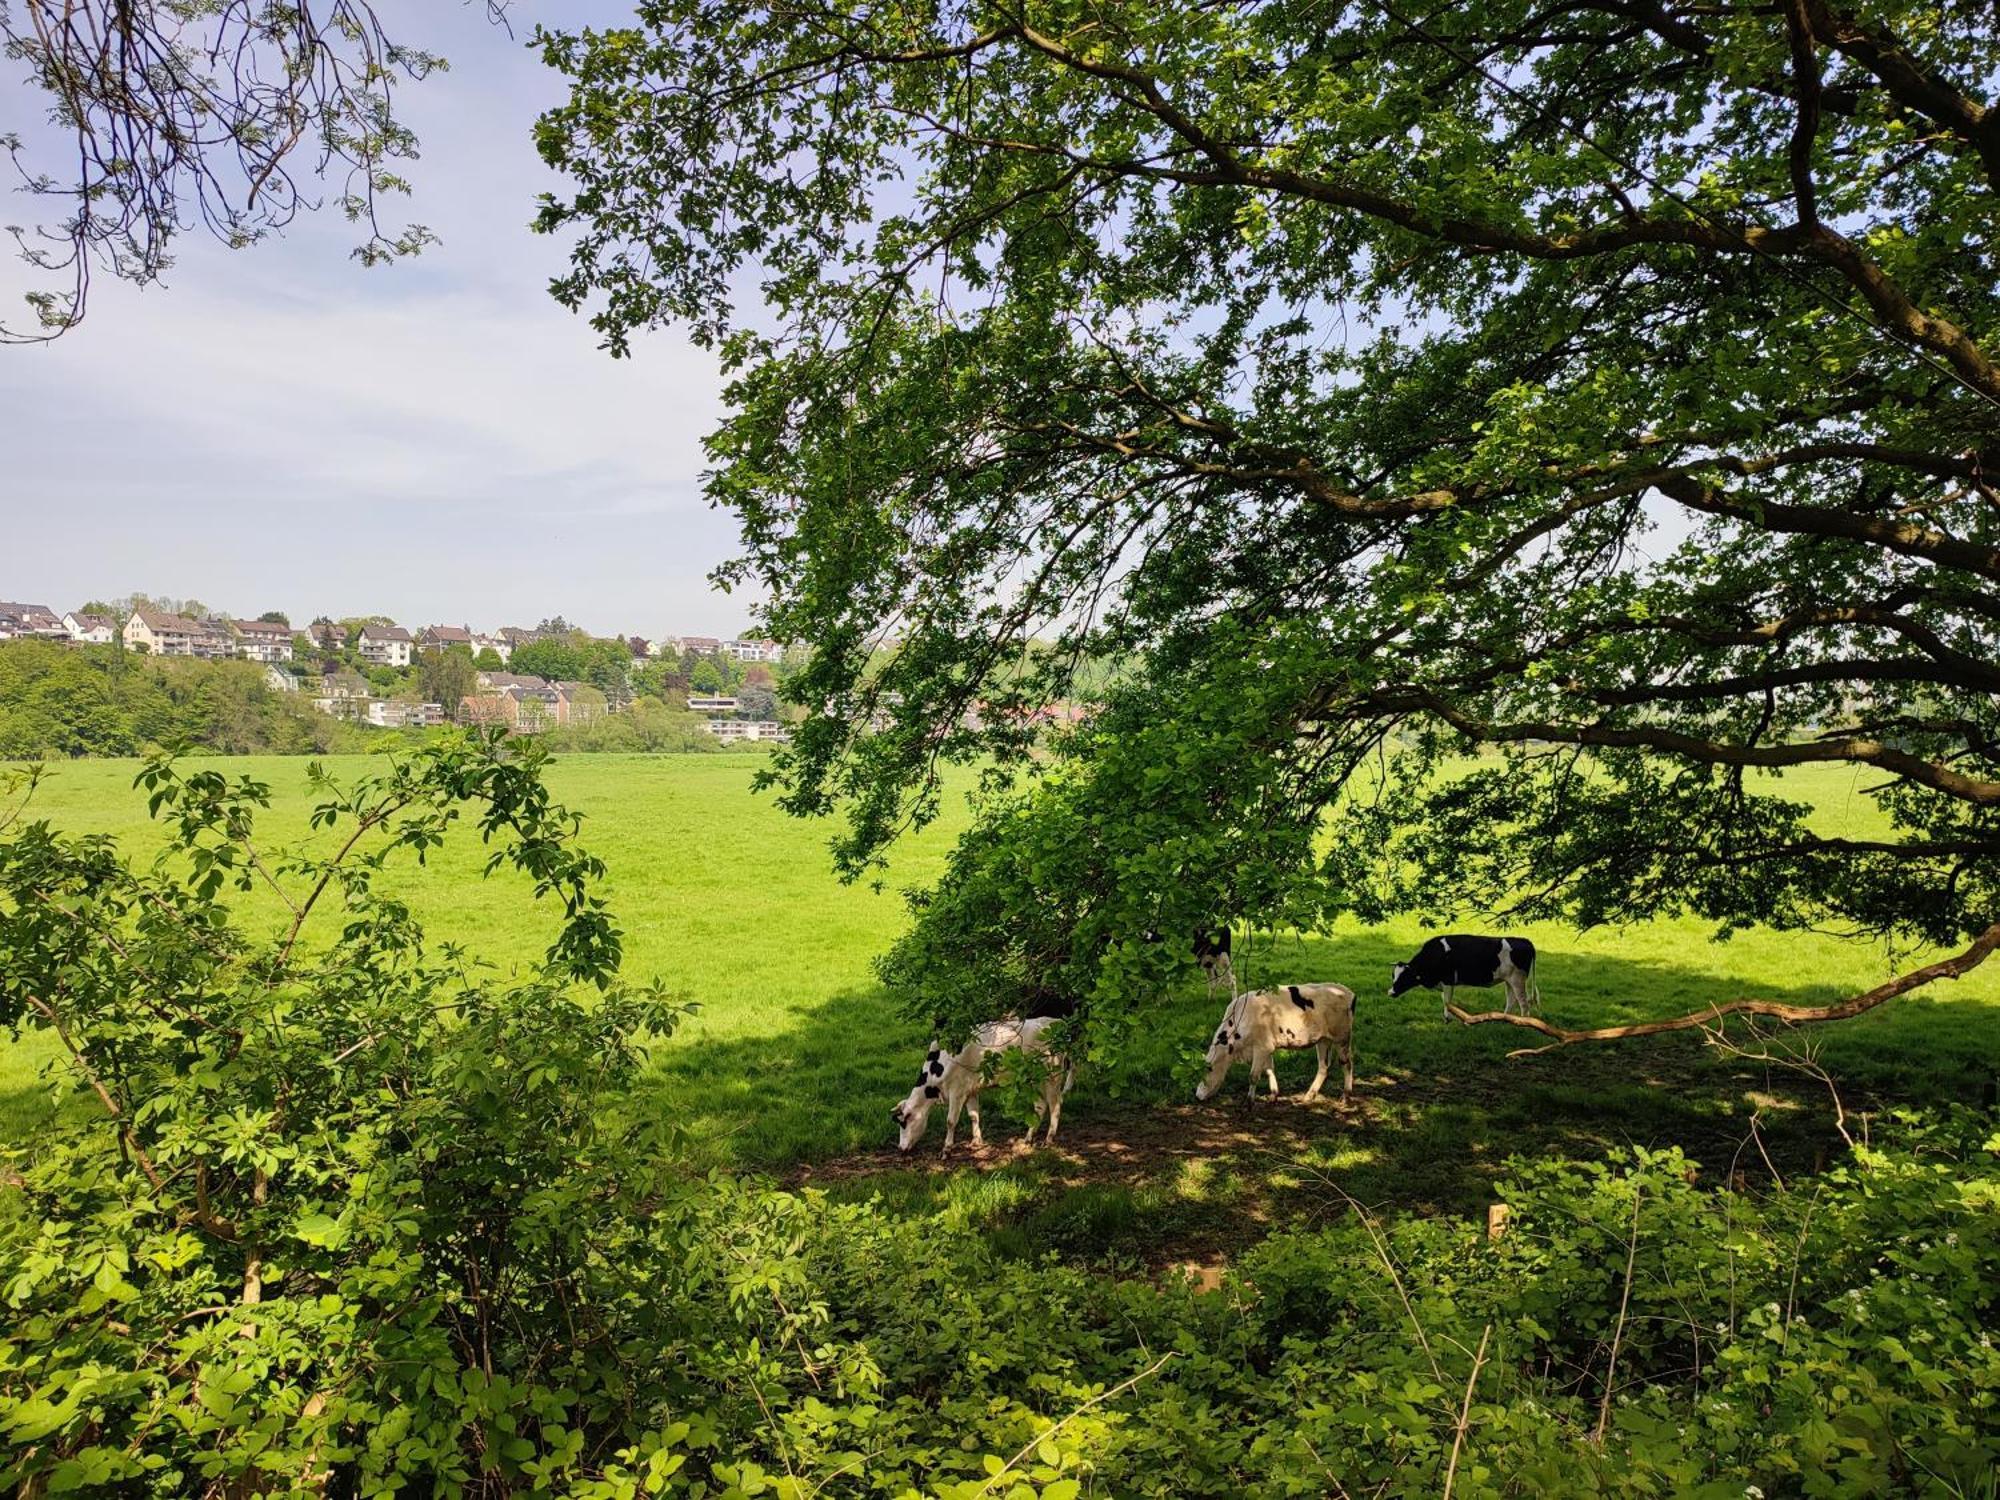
pixel 797 1054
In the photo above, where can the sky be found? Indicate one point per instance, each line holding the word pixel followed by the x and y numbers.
pixel 436 440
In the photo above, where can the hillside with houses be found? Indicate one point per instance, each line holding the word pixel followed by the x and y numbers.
pixel 362 673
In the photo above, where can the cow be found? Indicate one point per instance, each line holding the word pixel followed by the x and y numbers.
pixel 1444 963
pixel 957 1077
pixel 1259 1023
pixel 1211 951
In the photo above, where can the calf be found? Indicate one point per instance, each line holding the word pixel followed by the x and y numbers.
pixel 1444 963
pixel 957 1078
pixel 1260 1022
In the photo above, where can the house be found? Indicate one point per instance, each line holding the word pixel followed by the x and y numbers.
pixel 17 620
pixel 499 645
pixel 343 694
pixel 739 731
pixel 581 703
pixel 701 645
pixel 438 637
pixel 90 630
pixel 397 713
pixel 505 680
pixel 710 703
pixel 753 650
pixel 516 637
pixel 262 640
pixel 521 708
pixel 161 634
pixel 278 680
pixel 384 645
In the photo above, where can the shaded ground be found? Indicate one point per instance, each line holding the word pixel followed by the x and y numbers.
pixel 1181 1183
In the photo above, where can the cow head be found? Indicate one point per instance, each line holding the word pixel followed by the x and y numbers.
pixel 1401 980
pixel 914 1113
pixel 1222 1051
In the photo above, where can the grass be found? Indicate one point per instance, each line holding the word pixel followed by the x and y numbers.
pixel 797 1054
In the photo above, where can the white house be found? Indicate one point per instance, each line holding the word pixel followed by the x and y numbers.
pixel 710 703
pixel 499 645
pixel 279 680
pixel 90 630
pixel 263 640
pixel 737 731
pixel 753 650
pixel 384 645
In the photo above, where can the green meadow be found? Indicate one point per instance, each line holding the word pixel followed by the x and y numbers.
pixel 796 1053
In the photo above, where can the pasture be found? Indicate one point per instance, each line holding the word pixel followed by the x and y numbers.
pixel 797 1054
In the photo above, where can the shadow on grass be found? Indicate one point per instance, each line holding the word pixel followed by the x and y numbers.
pixel 1438 1107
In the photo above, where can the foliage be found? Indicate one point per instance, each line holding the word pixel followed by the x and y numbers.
pixel 446 676
pixel 1619 395
pixel 181 115
pixel 334 1212
pixel 60 700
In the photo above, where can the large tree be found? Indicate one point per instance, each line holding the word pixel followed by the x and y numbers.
pixel 1611 386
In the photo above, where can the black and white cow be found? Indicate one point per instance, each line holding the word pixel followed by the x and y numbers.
pixel 1211 951
pixel 1261 1023
pixel 1444 963
pixel 957 1077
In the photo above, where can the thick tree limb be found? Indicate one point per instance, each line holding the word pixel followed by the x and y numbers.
pixel 1795 1015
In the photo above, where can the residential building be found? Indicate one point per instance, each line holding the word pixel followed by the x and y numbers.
pixel 263 640
pixel 710 703
pixel 739 731
pixel 701 645
pixel 753 650
pixel 278 680
pixel 437 637
pixel 384 645
pixel 90 630
pixel 504 680
pixel 18 620
pixel 396 713
pixel 161 634
pixel 516 637
pixel 521 708
pixel 499 645
pixel 343 694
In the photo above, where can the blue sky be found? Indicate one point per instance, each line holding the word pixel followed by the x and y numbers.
pixel 280 428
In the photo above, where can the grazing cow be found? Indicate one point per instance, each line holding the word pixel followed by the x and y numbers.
pixel 1211 951
pixel 1444 963
pixel 957 1078
pixel 1259 1023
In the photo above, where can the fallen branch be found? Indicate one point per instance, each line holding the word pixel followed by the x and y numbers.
pixel 1945 968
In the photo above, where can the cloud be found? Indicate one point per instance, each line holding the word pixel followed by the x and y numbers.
pixel 437 441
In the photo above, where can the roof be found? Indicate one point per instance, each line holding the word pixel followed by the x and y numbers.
pixel 262 627
pixel 517 635
pixel 159 621
pixel 89 622
pixel 384 633
pixel 504 680
pixel 448 633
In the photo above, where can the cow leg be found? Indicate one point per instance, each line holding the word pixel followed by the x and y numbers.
pixel 1325 1050
pixel 1347 1063
pixel 1059 1088
pixel 1270 1071
pixel 1517 992
pixel 951 1109
pixel 972 1108
pixel 1449 991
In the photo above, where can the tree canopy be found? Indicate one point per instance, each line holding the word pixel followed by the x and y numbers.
pixel 1611 389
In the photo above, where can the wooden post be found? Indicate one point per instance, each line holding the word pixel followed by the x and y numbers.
pixel 1497 1215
